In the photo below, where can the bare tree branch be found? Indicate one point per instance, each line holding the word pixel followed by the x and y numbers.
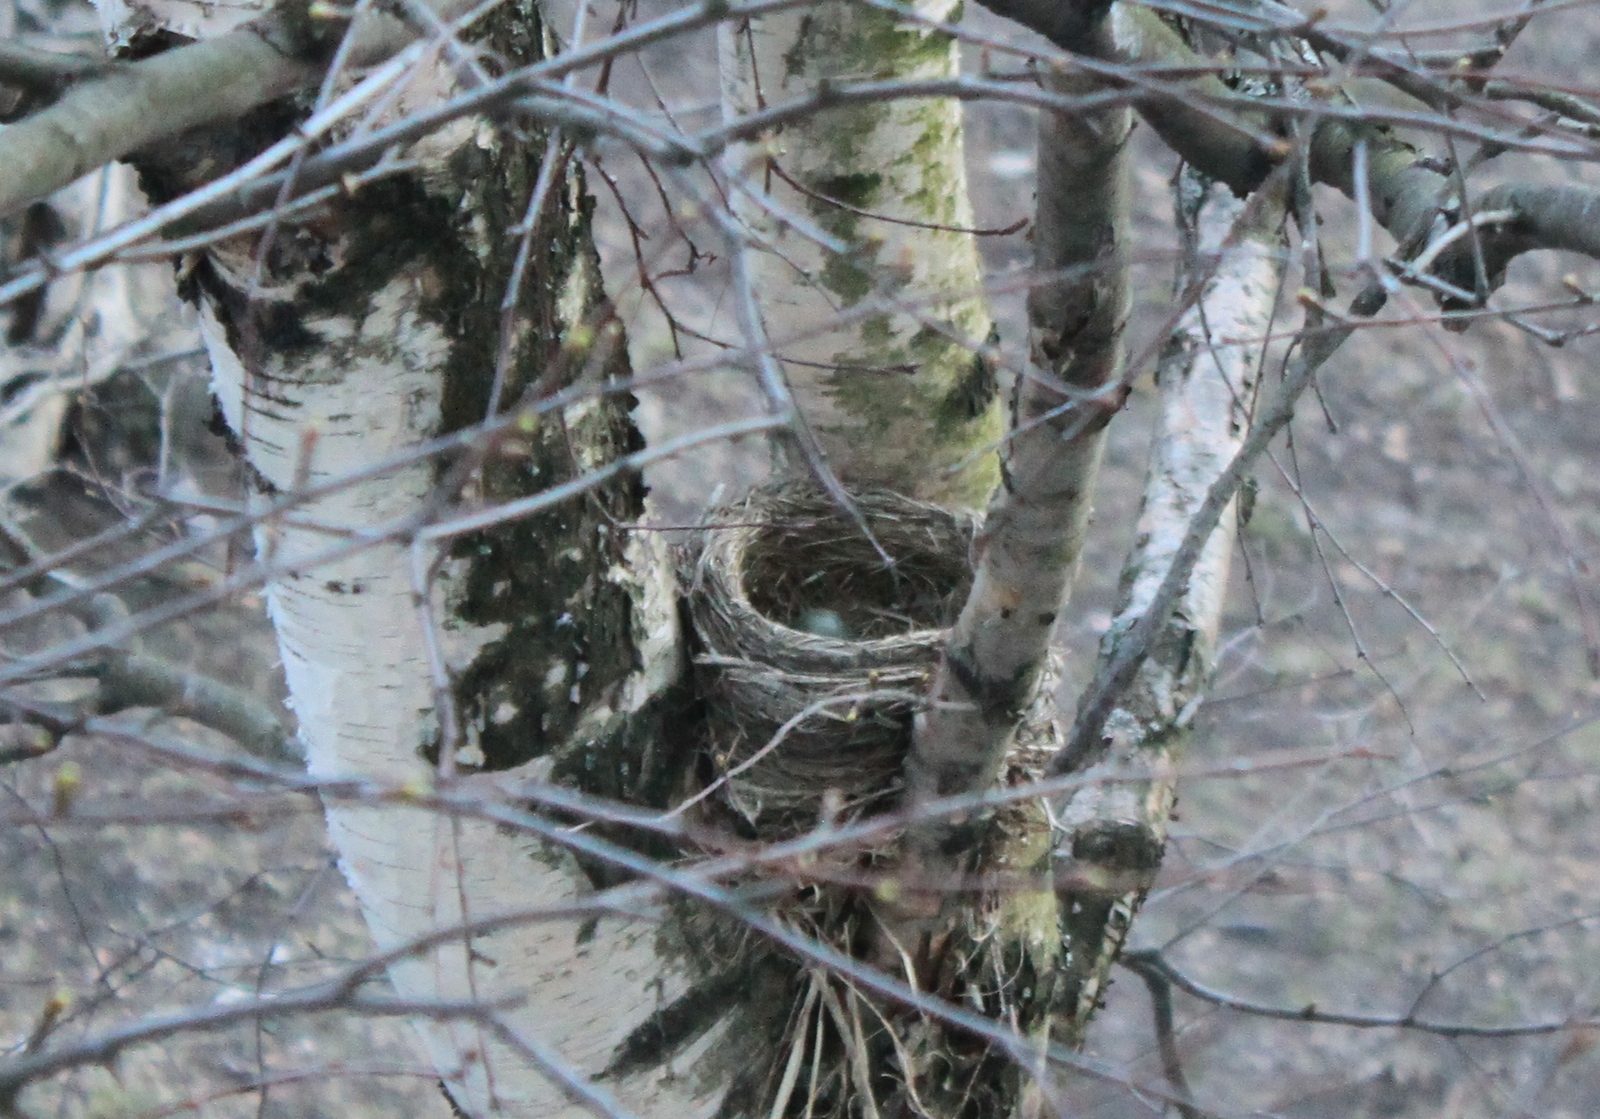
pixel 1027 552
pixel 1208 381
pixel 1408 191
pixel 1160 988
pixel 1152 961
pixel 42 71
pixel 1086 741
pixel 135 105
pixel 17 1073
pixel 143 680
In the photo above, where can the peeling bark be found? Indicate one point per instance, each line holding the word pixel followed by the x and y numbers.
pixel 557 631
pixel 900 398
pixel 371 327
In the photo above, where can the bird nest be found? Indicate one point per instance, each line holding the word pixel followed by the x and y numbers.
pixel 814 653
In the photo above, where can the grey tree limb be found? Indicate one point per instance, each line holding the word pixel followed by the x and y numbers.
pixel 133 105
pixel 1536 216
pixel 144 680
pixel 1160 988
pixel 43 71
pixel 1152 962
pixel 1028 550
pixel 1409 195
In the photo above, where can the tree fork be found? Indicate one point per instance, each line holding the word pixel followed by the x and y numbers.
pixel 1216 130
pixel 1032 535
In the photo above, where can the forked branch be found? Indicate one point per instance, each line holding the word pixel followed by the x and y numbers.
pixel 1112 835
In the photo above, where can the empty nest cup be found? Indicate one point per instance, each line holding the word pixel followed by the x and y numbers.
pixel 813 653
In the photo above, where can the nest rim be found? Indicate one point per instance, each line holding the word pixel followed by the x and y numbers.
pixel 756 672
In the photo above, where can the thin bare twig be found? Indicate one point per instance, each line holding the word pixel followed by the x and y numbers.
pixel 1152 961
pixel 1160 988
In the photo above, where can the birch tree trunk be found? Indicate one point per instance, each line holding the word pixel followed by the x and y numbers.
pixel 553 650
pixel 1114 833
pixel 543 649
pixel 519 655
pixel 74 333
pixel 865 208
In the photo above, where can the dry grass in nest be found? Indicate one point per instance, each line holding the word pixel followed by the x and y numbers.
pixel 813 652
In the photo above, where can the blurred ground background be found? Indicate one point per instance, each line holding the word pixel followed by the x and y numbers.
pixel 1455 471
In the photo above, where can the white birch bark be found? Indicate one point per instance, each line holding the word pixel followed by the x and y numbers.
pixel 369 331
pixel 80 328
pixel 361 686
pixel 898 399
pixel 1115 832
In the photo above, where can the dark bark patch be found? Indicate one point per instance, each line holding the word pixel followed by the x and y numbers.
pixel 974 393
pixel 1001 700
pixel 675 1025
pixel 1119 847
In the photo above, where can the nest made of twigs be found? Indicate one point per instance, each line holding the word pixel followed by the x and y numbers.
pixel 814 653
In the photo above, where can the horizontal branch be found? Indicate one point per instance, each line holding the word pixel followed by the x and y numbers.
pixel 1152 960
pixel 142 680
pixel 101 1049
pixel 1537 217
pixel 1407 190
pixel 528 94
pixel 138 104
pixel 134 105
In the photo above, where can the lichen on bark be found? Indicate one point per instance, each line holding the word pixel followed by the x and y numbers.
pixel 888 181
